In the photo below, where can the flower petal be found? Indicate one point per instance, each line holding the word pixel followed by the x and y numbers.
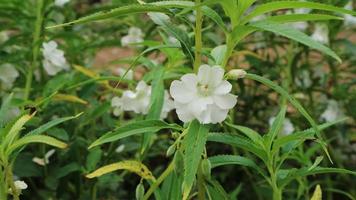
pixel 227 101
pixel 180 92
pixel 223 88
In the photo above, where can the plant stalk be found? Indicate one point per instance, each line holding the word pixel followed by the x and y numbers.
pixel 35 47
pixel 198 36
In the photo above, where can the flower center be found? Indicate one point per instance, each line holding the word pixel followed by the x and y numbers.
pixel 203 89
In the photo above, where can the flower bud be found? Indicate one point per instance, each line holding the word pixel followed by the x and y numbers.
pixel 236 74
pixel 171 150
pixel 140 191
pixel 206 167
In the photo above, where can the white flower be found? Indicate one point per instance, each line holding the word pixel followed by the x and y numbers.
pixel 44 161
pixel 321 33
pixel 54 60
pixel 20 185
pixel 173 40
pixel 129 75
pixel 332 112
pixel 8 75
pixel 134 35
pixel 205 97
pixel 60 3
pixel 120 148
pixel 287 127
pixel 349 19
pixel 138 101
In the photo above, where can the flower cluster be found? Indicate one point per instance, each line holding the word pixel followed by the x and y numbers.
pixel 54 60
pixel 205 97
pixel 138 101
pixel 134 35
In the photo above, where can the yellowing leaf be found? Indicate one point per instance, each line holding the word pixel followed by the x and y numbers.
pixel 86 71
pixel 70 98
pixel 317 193
pixel 129 165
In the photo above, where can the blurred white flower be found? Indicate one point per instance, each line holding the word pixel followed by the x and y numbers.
pixel 349 19
pixel 44 161
pixel 168 105
pixel 60 3
pixel 332 112
pixel 122 71
pixel 54 60
pixel 134 35
pixel 138 101
pixel 8 75
pixel 287 127
pixel 20 185
pixel 173 40
pixel 205 97
pixel 304 80
pixel 4 36
pixel 120 148
pixel 321 33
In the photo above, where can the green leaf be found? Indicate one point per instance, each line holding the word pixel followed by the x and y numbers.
pixel 116 12
pixel 35 139
pixel 193 145
pixel 301 17
pixel 293 34
pixel 221 160
pixel 15 130
pixel 317 195
pixel 303 135
pixel 276 125
pixel 239 142
pixel 242 6
pixel 272 6
pixel 218 54
pixel 156 103
pixel 293 101
pixel 164 21
pixel 190 6
pixel 216 190
pixel 51 124
pixel 134 128
pixel 240 32
pixel 5 106
pixel 253 135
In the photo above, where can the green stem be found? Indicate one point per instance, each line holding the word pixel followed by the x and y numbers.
pixel 159 181
pixel 229 51
pixel 35 47
pixel 198 36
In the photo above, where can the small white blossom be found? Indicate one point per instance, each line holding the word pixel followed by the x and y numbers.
pixel 134 35
pixel 129 75
pixel 287 127
pixel 54 60
pixel 321 33
pixel 349 19
pixel 120 148
pixel 44 161
pixel 332 112
pixel 20 185
pixel 8 75
pixel 60 3
pixel 173 40
pixel 205 97
pixel 138 101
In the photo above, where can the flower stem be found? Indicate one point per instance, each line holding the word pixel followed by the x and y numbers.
pixel 159 181
pixel 198 36
pixel 35 47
